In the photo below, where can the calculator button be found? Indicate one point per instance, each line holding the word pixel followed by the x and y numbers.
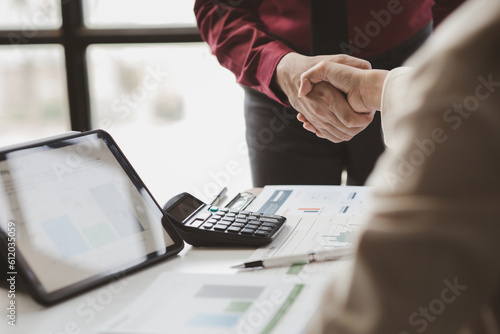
pixel 248 231
pixel 240 216
pixel 268 220
pixel 212 221
pixel 234 229
pixel 253 217
pixel 271 216
pixel 244 221
pixel 220 227
pixel 230 215
pixel 238 224
pixel 260 233
pixel 246 213
pixel 228 219
pixel 196 223
pixel 225 210
pixel 252 226
pixel 217 216
pixel 267 229
pixel 269 225
pixel 208 226
pixel 203 215
pixel 234 211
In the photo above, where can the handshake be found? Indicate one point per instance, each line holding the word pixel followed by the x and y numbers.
pixel 336 96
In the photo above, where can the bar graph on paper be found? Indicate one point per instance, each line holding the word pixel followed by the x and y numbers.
pixel 304 234
pixel 340 235
pixel 318 218
pixel 214 304
pixel 315 233
pixel 325 201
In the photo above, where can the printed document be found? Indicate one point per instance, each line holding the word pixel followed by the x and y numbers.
pixel 208 304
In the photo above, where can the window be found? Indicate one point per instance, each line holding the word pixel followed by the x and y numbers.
pixel 33 96
pixel 136 68
pixel 139 13
pixel 30 15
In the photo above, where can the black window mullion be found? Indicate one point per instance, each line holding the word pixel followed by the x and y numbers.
pixel 19 37
pixel 76 65
pixel 140 35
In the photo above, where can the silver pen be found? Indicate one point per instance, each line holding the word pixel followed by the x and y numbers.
pixel 288 260
pixel 219 197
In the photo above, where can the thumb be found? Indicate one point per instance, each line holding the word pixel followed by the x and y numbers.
pixel 338 75
pixel 350 61
pixel 305 86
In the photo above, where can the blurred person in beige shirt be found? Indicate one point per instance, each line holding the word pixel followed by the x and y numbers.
pixel 428 260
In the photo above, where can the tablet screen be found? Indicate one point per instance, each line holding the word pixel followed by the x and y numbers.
pixel 79 211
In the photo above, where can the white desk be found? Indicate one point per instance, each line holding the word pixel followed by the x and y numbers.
pixel 86 312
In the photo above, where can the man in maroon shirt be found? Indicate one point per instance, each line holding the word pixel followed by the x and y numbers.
pixel 267 45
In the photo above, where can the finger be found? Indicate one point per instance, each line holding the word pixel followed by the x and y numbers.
pixel 308 126
pixel 325 130
pixel 331 128
pixel 305 86
pixel 352 61
pixel 333 137
pixel 319 71
pixel 344 112
pixel 319 108
pixel 332 115
pixel 340 76
pixel 338 133
pixel 314 75
pixel 301 118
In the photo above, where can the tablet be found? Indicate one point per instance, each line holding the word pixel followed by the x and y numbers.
pixel 75 214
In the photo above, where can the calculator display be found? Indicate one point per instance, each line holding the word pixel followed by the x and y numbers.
pixel 185 207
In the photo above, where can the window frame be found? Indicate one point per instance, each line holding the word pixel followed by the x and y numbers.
pixel 75 38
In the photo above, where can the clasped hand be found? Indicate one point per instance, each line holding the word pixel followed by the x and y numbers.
pixel 336 96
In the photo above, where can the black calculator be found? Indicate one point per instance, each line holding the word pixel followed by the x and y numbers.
pixel 201 224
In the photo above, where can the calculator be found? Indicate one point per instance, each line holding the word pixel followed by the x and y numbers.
pixel 201 224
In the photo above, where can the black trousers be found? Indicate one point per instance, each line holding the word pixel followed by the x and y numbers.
pixel 281 151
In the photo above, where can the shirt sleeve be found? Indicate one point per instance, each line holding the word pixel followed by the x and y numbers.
pixel 393 94
pixel 427 260
pixel 241 43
